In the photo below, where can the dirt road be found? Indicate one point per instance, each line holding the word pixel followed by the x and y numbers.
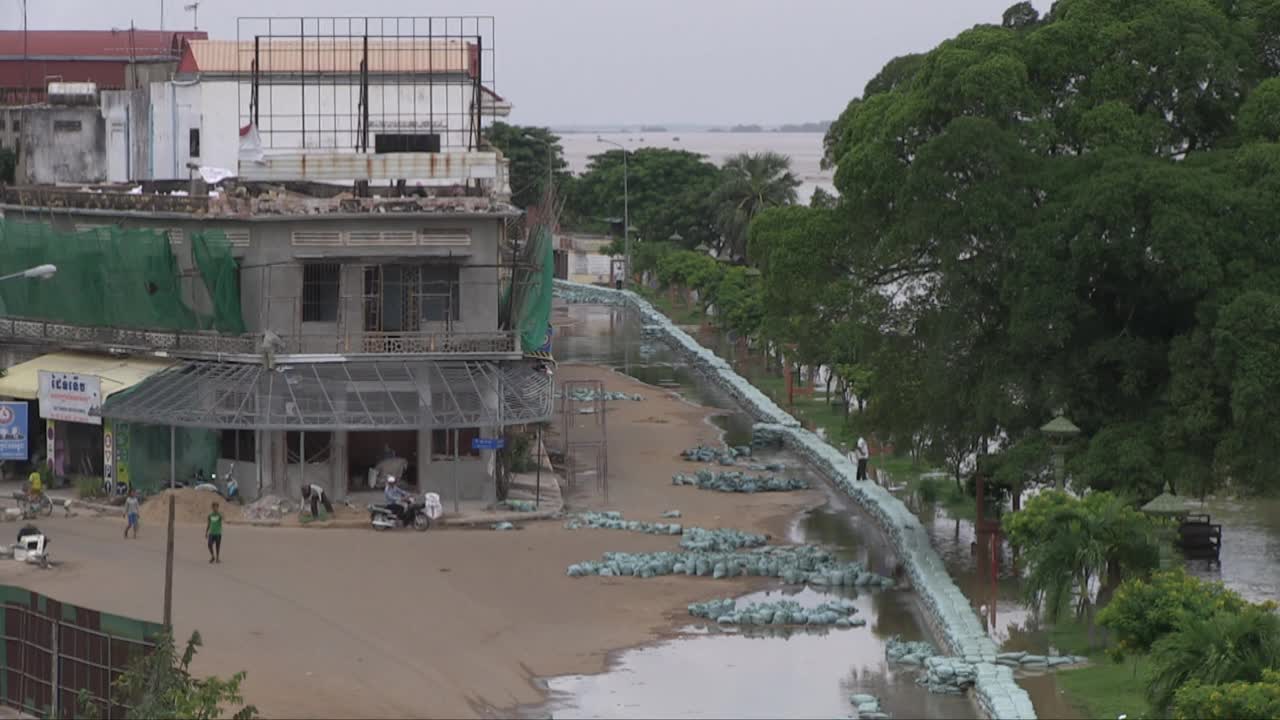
pixel 352 623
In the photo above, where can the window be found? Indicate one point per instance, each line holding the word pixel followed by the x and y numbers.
pixel 193 142
pixel 439 291
pixel 66 126
pixel 239 445
pixel 318 447
pixel 320 282
pixel 442 442
pixel 16 125
pixel 1 123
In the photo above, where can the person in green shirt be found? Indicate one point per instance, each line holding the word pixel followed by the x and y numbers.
pixel 213 532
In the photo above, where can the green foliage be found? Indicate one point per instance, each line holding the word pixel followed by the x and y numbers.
pixel 160 685
pixel 670 193
pixel 533 152
pixel 749 184
pixel 1220 649
pixel 1075 210
pixel 928 490
pixel 1068 543
pixel 1142 612
pixel 737 301
pixel 89 487
pixel 1233 701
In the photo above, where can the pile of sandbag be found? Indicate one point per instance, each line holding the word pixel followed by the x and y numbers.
pixel 586 394
pixel 692 538
pixel 906 652
pixel 948 675
pixel 839 612
pixel 737 482
pixel 720 539
pixel 707 454
pixel 518 505
pixel 867 707
pixel 612 520
pixel 269 507
pixel 1036 662
pixel 794 565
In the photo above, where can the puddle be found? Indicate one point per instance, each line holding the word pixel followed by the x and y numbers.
pixel 707 672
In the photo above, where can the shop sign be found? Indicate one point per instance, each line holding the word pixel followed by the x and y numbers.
pixel 71 397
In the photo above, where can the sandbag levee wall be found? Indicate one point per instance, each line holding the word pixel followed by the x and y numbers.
pixel 946 606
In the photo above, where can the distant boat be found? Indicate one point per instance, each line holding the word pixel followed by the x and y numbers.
pixel 675 139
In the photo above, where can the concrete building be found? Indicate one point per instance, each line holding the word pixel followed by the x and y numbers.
pixel 326 307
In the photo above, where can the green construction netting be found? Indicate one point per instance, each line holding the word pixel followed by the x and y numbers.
pixel 115 277
pixel 142 454
pixel 531 290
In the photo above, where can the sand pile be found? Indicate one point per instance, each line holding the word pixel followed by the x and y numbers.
pixel 191 506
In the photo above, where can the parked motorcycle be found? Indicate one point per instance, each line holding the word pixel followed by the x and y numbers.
pixel 32 508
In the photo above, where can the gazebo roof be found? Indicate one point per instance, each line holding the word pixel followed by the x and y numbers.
pixel 1060 426
pixel 1166 503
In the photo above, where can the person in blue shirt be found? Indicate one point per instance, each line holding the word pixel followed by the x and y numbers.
pixel 397 500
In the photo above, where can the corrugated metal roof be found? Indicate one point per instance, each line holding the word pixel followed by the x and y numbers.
pixel 72 44
pixel 340 56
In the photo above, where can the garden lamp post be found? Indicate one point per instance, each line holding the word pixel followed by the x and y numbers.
pixel 1060 432
pixel 626 208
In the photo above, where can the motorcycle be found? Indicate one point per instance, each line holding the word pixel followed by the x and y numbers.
pixel 421 511
pixel 41 505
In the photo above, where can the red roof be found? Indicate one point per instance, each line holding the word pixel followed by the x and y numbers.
pixel 95 44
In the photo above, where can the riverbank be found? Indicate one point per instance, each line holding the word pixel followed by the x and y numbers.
pixel 946 606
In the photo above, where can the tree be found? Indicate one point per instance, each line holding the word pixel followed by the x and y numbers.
pixel 750 183
pixel 669 193
pixel 160 685
pixel 535 154
pixel 1073 546
pixel 1074 210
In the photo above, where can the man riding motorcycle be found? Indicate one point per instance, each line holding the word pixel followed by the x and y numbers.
pixel 398 501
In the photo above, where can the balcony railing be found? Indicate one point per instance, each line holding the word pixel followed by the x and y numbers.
pixel 196 344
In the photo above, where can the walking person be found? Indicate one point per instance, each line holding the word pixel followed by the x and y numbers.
pixel 863 453
pixel 316 496
pixel 131 512
pixel 213 532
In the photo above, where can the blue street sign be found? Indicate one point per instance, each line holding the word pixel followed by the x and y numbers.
pixel 13 431
pixel 488 443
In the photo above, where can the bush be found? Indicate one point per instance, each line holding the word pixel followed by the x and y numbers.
pixel 928 490
pixel 1225 648
pixel 160 685
pixel 1232 701
pixel 89 487
pixel 1144 611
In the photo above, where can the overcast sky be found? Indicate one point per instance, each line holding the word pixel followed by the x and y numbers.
pixel 605 62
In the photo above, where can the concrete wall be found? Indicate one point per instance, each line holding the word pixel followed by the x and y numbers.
pixel 61 145
pixel 128 137
pixel 944 603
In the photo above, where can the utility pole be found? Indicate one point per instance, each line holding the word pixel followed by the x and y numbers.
pixel 26 59
pixel 168 570
pixel 162 15
pixel 626 209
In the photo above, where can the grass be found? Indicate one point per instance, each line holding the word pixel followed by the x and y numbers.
pixel 1104 688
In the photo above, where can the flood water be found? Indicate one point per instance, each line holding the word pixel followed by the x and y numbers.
pixel 706 671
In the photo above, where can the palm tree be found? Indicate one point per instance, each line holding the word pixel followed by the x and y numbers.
pixel 751 182
pixel 1223 648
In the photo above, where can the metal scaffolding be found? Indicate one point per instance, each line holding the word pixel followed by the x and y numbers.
pixel 356 395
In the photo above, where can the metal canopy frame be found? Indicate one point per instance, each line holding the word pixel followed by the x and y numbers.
pixel 357 395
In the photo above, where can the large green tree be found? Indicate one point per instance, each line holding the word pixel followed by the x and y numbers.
pixel 536 157
pixel 1075 211
pixel 669 192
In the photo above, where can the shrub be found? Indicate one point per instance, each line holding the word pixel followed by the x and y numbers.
pixel 1221 649
pixel 89 487
pixel 928 490
pixel 1144 611
pixel 1232 701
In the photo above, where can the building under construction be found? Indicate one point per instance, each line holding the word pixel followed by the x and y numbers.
pixel 344 292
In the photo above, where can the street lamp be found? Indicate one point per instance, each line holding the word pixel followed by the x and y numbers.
pixel 1060 432
pixel 626 208
pixel 40 271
